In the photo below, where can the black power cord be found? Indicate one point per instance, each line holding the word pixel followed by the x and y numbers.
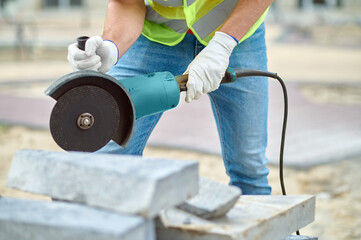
pixel 248 73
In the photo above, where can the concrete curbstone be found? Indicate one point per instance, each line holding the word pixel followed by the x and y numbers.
pixel 38 220
pixel 213 200
pixel 121 183
pixel 253 217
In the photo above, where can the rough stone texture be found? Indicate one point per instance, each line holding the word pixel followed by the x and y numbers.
pixel 213 199
pixel 119 183
pixel 253 217
pixel 300 237
pixel 36 220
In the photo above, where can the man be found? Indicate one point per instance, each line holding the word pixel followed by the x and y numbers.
pixel 202 38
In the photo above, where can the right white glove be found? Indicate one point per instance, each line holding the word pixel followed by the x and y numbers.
pixel 206 71
pixel 99 55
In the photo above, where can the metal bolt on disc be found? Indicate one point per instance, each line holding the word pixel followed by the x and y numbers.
pixel 85 121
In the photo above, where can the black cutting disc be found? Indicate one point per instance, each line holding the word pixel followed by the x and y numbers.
pixel 96 106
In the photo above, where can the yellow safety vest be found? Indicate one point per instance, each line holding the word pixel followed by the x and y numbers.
pixel 167 21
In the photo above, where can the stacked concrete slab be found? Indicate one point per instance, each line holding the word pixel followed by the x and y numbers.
pixel 253 217
pixel 213 200
pixel 125 184
pixel 119 195
pixel 103 196
pixel 34 220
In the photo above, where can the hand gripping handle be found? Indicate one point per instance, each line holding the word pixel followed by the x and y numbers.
pixel 229 76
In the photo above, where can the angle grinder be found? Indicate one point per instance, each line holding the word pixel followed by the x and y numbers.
pixel 93 108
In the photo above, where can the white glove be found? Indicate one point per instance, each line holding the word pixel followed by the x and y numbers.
pixel 206 71
pixel 99 55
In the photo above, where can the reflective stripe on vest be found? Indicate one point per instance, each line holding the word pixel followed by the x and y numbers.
pixel 168 12
pixel 214 19
pixel 180 26
pixel 168 21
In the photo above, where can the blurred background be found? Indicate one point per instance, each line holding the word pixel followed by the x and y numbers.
pixel 314 45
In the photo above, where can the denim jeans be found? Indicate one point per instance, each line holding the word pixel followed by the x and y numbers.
pixel 240 109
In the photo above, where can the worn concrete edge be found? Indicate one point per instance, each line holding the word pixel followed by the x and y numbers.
pixel 300 220
pixel 196 207
pixel 138 226
pixel 203 213
pixel 169 183
pixel 187 232
pixel 219 213
pixel 183 232
pixel 172 189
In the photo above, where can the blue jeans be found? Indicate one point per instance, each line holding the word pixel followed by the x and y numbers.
pixel 240 109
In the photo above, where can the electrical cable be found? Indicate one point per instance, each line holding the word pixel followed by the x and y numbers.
pixel 247 73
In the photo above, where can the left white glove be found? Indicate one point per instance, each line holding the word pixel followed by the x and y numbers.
pixel 206 71
pixel 99 55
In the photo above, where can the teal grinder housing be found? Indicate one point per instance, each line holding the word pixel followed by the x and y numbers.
pixel 152 93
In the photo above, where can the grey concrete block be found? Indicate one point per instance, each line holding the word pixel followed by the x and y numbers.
pixel 213 199
pixel 128 184
pixel 35 220
pixel 300 237
pixel 253 217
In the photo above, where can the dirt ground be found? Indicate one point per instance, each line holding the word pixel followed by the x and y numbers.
pixel 336 185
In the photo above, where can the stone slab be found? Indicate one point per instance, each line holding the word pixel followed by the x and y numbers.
pixel 213 200
pixel 128 184
pixel 37 220
pixel 300 237
pixel 253 217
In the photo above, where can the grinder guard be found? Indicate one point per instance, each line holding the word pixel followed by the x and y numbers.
pixel 124 130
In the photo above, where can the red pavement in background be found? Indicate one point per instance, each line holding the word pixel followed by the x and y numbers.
pixel 316 133
pixel 30 112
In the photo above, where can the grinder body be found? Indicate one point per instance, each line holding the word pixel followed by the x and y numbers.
pixel 152 93
pixel 111 105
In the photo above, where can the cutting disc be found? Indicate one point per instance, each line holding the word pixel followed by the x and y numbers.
pixel 84 119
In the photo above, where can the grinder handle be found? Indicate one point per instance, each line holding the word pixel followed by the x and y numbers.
pixel 81 42
pixel 229 77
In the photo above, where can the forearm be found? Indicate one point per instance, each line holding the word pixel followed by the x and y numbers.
pixel 124 22
pixel 244 16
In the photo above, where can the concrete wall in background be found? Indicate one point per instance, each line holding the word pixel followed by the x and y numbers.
pixel 95 4
pixel 38 5
pixel 313 4
pixel 101 5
